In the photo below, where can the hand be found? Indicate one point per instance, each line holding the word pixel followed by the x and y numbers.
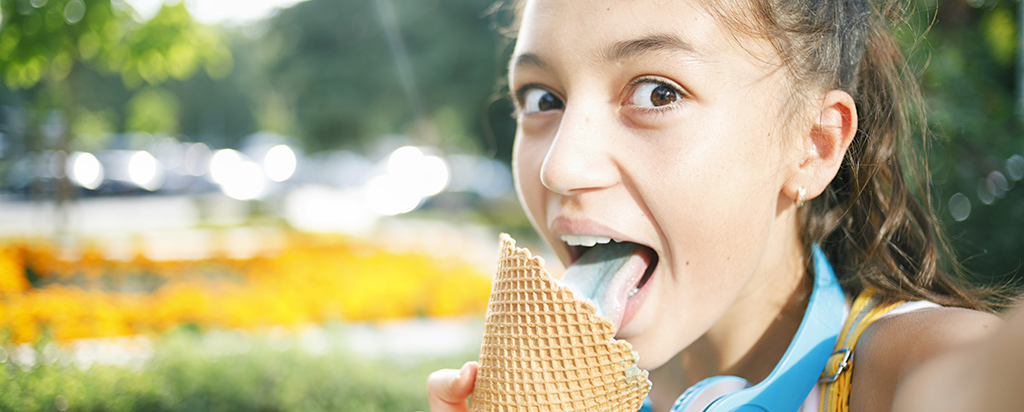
pixel 448 389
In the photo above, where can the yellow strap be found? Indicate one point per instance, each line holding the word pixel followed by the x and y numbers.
pixel 836 379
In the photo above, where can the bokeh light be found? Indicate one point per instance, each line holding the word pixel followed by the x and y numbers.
pixel 959 207
pixel 74 11
pixel 389 195
pixel 997 184
pixel 279 163
pixel 403 160
pixel 145 171
pixel 244 182
pixel 423 175
pixel 984 194
pixel 169 152
pixel 1015 167
pixel 411 176
pixel 223 165
pixel 197 159
pixel 433 176
pixel 85 170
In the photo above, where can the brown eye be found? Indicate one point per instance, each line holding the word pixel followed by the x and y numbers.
pixel 662 95
pixel 540 100
pixel 654 95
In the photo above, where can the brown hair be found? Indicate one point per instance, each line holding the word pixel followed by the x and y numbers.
pixel 875 220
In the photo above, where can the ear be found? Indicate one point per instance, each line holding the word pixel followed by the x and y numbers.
pixel 824 145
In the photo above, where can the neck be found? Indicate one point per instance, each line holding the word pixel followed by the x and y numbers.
pixel 750 339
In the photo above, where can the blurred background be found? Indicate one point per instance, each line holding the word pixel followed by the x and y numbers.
pixel 294 205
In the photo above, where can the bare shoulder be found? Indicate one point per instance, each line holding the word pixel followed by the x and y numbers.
pixel 895 346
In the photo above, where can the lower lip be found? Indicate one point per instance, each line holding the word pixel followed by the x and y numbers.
pixel 633 304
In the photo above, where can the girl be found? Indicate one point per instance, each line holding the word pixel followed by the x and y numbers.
pixel 724 138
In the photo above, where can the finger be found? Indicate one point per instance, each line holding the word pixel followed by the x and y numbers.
pixel 448 389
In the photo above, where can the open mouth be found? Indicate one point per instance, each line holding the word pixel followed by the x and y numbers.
pixel 608 272
pixel 580 245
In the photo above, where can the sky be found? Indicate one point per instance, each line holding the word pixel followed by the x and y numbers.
pixel 232 12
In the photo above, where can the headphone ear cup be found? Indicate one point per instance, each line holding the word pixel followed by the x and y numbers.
pixel 699 397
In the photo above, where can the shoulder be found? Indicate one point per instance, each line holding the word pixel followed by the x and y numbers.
pixel 894 346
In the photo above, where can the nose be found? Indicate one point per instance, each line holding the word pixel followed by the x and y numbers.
pixel 579 158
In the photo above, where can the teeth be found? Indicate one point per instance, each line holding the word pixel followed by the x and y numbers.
pixel 634 292
pixel 587 241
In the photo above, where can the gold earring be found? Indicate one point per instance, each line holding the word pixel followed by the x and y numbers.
pixel 801 195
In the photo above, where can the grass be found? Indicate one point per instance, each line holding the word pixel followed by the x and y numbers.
pixel 189 371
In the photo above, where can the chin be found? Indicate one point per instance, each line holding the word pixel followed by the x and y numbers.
pixel 652 354
pixel 649 362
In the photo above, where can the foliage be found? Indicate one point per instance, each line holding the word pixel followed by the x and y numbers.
pixel 311 280
pixel 63 44
pixel 46 40
pixel 172 45
pixel 967 60
pixel 185 375
pixel 153 110
pixel 40 38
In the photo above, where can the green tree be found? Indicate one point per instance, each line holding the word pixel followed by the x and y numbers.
pixel 49 49
pixel 52 41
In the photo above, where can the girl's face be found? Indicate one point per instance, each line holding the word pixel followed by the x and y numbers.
pixel 647 121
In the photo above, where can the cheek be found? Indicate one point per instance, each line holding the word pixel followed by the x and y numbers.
pixel 714 195
pixel 711 196
pixel 527 158
pixel 718 176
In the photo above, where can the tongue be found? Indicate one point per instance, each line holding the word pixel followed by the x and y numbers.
pixel 606 275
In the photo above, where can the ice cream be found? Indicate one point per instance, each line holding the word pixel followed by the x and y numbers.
pixel 608 274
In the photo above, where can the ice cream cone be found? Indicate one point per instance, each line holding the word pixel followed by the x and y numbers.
pixel 546 350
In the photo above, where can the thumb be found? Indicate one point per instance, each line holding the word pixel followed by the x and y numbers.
pixel 448 389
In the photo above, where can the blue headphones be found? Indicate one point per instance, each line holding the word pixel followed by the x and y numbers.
pixel 786 387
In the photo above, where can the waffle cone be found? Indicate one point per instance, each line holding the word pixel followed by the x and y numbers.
pixel 546 350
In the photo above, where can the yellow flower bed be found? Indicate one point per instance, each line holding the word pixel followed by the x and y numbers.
pixel 313 279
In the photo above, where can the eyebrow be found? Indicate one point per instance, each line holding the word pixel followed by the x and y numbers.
pixel 655 43
pixel 529 59
pixel 622 50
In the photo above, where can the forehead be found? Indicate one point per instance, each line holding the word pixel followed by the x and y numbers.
pixel 597 31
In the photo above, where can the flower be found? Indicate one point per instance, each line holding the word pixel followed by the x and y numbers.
pixel 311 279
